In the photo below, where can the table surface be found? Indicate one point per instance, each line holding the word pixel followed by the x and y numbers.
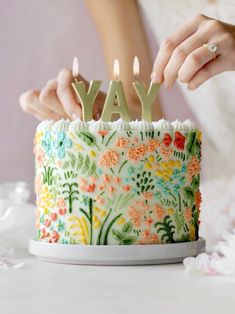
pixel 43 287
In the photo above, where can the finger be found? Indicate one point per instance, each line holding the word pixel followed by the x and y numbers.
pixel 171 43
pixel 48 98
pixel 209 70
pixel 30 103
pixel 66 94
pixel 178 57
pixel 194 62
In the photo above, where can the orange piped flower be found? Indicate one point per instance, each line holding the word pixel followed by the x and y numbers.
pixel 122 142
pixel 109 159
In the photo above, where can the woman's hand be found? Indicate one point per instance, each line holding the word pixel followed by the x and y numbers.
pixel 58 100
pixel 185 55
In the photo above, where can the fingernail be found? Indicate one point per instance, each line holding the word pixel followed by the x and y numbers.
pixel 156 77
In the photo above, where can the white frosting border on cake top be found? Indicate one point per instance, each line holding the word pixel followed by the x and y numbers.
pixel 142 125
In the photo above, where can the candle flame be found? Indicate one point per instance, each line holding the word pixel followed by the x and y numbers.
pixel 116 69
pixel 75 67
pixel 136 67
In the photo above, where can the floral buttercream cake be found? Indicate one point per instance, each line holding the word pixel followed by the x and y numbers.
pixel 117 183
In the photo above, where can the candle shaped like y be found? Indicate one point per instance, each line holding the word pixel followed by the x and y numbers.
pixel 146 97
pixel 87 98
pixel 115 101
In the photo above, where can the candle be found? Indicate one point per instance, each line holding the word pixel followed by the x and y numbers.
pixel 146 98
pixel 87 98
pixel 115 101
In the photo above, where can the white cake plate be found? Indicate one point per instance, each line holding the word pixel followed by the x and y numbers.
pixel 116 254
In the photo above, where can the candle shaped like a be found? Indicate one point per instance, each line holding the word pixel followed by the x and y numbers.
pixel 86 98
pixel 146 97
pixel 115 101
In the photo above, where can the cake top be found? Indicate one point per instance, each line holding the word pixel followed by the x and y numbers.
pixel 142 125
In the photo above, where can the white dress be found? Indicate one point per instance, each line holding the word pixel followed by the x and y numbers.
pixel 214 106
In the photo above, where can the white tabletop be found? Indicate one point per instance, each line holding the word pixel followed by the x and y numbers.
pixel 43 287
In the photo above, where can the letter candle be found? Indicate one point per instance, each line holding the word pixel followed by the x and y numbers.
pixel 146 98
pixel 87 99
pixel 115 101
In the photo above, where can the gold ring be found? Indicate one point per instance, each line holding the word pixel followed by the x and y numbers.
pixel 212 47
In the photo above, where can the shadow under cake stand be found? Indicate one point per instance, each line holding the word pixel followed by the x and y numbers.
pixel 116 254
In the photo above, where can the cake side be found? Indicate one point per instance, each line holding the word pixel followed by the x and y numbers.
pixel 117 183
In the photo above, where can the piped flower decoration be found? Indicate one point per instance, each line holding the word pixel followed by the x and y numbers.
pixel 46 144
pixel 61 143
pixel 179 141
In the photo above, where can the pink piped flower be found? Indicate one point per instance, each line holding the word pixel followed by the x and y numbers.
pixel 111 189
pixel 118 179
pixel 53 216
pixel 126 188
pixel 106 178
pixel 100 200
pixel 148 221
pixel 146 234
pixel 44 233
pixel 91 188
pixel 54 237
pixel 60 202
pixel 62 211
pixel 93 179
pixel 39 156
pixel 47 223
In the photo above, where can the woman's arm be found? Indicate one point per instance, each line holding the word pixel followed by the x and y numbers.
pixel 122 35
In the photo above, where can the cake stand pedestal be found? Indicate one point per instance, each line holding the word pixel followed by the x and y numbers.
pixel 116 254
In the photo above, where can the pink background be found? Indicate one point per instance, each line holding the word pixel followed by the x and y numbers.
pixel 38 38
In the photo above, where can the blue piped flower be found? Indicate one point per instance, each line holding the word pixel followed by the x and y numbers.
pixel 46 144
pixel 131 170
pixel 61 143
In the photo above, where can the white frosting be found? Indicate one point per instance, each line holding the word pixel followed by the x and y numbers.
pixel 120 124
pixel 79 125
pixel 189 125
pixel 98 125
pixel 162 125
pixel 143 125
pixel 61 125
pixel 45 126
pixel 179 126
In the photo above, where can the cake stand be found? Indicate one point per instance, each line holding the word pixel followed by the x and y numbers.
pixel 116 254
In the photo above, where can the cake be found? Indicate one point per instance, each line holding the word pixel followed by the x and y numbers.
pixel 117 183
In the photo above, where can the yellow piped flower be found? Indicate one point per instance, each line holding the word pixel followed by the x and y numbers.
pixel 79 147
pixel 151 158
pixel 121 221
pixel 103 213
pixel 199 136
pixel 148 165
pixel 94 218
pixel 170 211
pixel 92 153
pixel 38 137
pixel 97 209
pixel 97 224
